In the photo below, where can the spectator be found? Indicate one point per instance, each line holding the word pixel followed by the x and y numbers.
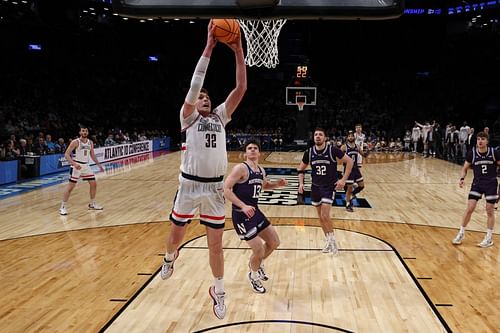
pixel 51 146
pixel 9 153
pixel 23 147
pixel 407 140
pixel 39 148
pixel 60 146
pixel 438 140
pixel 109 141
pixel 452 142
pixel 471 139
pixel 462 138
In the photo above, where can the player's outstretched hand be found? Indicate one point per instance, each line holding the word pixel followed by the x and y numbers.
pixel 211 40
pixel 340 184
pixel 235 45
pixel 282 182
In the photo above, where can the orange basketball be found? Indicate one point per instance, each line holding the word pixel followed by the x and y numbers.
pixel 226 30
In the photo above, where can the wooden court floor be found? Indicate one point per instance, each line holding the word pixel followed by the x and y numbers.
pixel 397 270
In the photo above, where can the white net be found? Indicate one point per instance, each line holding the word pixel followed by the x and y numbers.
pixel 301 105
pixel 262 41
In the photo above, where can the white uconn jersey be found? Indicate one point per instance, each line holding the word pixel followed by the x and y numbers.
pixel 204 143
pixel 359 139
pixel 82 152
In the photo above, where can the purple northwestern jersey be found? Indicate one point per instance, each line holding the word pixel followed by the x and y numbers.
pixel 353 153
pixel 484 164
pixel 323 164
pixel 249 190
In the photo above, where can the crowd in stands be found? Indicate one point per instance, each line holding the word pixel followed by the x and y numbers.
pixel 43 144
pixel 45 96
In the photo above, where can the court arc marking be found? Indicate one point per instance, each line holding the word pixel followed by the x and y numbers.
pixel 185 245
pixel 299 322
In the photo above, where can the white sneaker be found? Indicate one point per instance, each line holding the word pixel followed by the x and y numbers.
pixel 330 247
pixel 486 242
pixel 95 206
pixel 219 306
pixel 458 239
pixel 333 247
pixel 63 211
pixel 326 248
pixel 167 268
pixel 256 284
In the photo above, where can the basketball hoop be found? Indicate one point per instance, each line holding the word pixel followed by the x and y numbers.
pixel 262 41
pixel 301 105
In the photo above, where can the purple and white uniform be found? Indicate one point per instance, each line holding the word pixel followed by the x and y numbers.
pixel 324 172
pixel 355 175
pixel 248 191
pixel 485 174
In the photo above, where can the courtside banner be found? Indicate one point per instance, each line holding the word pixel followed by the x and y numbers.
pixel 110 153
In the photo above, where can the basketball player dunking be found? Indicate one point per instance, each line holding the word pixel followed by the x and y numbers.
pixel 323 159
pixel 351 149
pixel 242 187
pixel 203 165
pixel 484 160
pixel 84 149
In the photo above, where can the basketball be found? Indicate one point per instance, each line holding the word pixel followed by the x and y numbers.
pixel 226 30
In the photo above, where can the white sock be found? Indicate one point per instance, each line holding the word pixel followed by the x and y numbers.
pixel 92 202
pixel 219 285
pixel 489 233
pixel 63 204
pixel 254 275
pixel 169 256
pixel 330 236
pixel 462 230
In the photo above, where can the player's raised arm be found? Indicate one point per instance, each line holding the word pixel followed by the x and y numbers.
pixel 236 95
pixel 193 94
pixel 419 124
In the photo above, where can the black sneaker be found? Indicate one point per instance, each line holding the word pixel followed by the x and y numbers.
pixel 262 274
pixel 349 208
pixel 256 284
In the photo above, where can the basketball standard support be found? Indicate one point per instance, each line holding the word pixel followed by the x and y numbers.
pixel 261 9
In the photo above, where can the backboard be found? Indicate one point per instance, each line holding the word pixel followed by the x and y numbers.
pixel 296 95
pixel 261 9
